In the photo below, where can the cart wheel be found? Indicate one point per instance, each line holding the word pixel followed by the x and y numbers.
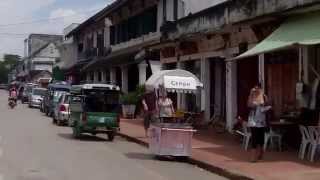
pixel 110 136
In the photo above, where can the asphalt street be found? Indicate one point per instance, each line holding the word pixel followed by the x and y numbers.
pixel 32 148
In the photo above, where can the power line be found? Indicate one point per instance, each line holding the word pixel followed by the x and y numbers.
pixel 47 19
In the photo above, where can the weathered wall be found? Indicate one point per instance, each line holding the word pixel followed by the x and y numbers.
pixel 231 12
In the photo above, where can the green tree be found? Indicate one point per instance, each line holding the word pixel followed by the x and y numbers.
pixel 9 62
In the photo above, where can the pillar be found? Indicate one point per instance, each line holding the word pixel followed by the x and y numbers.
pixel 88 77
pixel 124 78
pixel 95 76
pixel 113 75
pixel 142 72
pixel 103 78
pixel 205 92
pixel 231 94
pixel 262 71
pixel 181 98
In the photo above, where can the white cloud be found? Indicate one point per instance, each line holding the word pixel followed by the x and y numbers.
pixel 16 11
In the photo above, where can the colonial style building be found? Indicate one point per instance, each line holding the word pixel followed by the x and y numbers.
pixel 113 44
pixel 209 42
pixel 41 53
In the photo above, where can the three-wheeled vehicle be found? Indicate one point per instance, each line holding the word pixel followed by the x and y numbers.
pixel 95 109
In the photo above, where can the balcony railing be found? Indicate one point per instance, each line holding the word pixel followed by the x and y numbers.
pixel 133 42
pixel 94 52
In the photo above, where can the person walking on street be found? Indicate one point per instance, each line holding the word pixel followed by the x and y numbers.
pixel 149 106
pixel 257 121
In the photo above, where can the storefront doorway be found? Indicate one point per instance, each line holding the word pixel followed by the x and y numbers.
pixel 248 77
pixel 282 74
pixel 218 87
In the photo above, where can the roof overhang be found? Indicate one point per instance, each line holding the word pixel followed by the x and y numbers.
pixel 299 30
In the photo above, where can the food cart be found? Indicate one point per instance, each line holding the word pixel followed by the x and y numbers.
pixel 172 139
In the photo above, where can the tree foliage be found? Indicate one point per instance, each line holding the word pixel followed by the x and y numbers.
pixel 9 62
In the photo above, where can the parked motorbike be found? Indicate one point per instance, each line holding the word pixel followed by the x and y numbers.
pixel 12 103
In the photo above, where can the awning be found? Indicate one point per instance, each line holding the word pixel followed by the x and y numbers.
pixel 178 80
pixel 303 29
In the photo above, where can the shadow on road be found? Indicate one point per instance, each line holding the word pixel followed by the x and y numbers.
pixel 140 156
pixel 84 137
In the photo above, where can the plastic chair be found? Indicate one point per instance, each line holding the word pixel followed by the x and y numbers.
pixel 315 141
pixel 246 134
pixel 305 141
pixel 271 136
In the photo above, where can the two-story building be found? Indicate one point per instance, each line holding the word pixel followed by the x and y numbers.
pixel 118 37
pixel 41 53
pixel 209 42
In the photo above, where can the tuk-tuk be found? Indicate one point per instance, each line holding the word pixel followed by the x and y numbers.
pixel 95 109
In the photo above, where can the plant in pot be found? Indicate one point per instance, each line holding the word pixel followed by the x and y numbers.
pixel 129 102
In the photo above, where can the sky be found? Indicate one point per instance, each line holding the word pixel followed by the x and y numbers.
pixel 16 15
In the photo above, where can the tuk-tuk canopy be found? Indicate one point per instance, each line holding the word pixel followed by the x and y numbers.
pixel 178 80
pixel 77 89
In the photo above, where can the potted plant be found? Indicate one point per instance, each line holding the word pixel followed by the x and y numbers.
pixel 130 101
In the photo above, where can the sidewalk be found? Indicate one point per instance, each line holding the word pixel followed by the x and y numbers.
pixel 222 154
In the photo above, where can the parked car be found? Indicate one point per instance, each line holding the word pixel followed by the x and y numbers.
pixel 95 108
pixel 27 91
pixel 52 97
pixel 61 112
pixel 36 97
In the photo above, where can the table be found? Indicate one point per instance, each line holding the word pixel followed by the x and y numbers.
pixel 283 127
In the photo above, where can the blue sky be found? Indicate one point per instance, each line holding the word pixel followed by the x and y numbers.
pixel 18 11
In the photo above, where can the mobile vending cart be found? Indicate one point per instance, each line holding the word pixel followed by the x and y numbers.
pixel 172 139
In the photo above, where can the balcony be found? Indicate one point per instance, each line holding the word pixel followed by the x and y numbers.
pixel 153 36
pixel 94 52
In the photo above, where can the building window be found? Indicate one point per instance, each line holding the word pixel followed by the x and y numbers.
pixel 80 47
pixel 134 27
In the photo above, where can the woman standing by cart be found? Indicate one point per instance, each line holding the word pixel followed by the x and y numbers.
pixel 165 107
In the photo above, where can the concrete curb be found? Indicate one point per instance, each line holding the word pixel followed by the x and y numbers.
pixel 209 167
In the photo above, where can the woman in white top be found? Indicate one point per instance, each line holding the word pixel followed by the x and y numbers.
pixel 165 108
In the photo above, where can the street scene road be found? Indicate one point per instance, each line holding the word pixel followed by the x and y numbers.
pixel 32 148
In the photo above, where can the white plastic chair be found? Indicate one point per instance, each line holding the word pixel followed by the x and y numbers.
pixel 246 135
pixel 315 141
pixel 271 136
pixel 305 141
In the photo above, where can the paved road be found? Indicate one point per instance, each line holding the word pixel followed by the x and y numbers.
pixel 32 148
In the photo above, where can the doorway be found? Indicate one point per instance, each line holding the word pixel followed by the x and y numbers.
pixel 248 77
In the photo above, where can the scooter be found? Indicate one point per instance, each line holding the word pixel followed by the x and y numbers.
pixel 12 103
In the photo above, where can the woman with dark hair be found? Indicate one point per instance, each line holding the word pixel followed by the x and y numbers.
pixel 257 121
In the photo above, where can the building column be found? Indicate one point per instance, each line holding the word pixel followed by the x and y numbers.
pixel 95 76
pixel 304 58
pixel 103 78
pixel 113 75
pixel 88 78
pixel 142 73
pixel 231 94
pixel 181 98
pixel 124 78
pixel 205 92
pixel 262 71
